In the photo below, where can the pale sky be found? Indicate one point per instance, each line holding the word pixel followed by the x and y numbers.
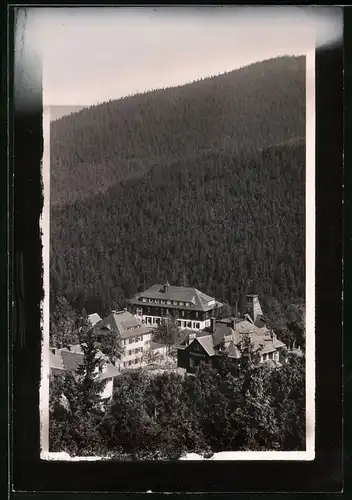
pixel 91 55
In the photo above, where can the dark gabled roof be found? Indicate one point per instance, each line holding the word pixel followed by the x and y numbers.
pixel 198 300
pixel 207 343
pixel 125 323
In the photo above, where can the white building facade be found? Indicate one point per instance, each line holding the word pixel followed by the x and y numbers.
pixel 191 308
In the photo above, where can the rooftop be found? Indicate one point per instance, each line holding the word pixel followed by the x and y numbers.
pixel 156 345
pixel 262 339
pixel 196 299
pixel 125 323
pixel 94 318
pixel 71 359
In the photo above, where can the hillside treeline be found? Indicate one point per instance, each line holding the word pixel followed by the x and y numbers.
pixel 240 111
pixel 228 224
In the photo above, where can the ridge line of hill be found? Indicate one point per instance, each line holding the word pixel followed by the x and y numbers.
pixel 181 85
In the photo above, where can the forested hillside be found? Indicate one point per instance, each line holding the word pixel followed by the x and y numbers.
pixel 243 110
pixel 220 220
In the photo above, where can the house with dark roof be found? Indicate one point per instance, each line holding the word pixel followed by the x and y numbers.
pixel 227 336
pixel 136 337
pixel 68 359
pixel 189 306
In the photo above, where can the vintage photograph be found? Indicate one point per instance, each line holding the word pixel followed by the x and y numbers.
pixel 179 163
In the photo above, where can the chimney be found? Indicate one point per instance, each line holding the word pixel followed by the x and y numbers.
pixel 213 324
pixel 254 307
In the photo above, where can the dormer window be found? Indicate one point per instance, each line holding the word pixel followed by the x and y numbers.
pixel 144 299
pixel 175 303
pixel 168 302
pixel 162 301
pixel 186 304
pixel 157 301
pixel 181 303
pixel 150 300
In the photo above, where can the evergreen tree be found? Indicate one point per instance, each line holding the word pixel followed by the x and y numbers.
pixel 167 332
pixel 89 385
pixel 63 325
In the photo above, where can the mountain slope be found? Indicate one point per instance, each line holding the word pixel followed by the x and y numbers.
pixel 240 111
pixel 221 219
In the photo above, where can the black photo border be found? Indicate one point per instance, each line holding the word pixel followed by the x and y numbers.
pixel 29 473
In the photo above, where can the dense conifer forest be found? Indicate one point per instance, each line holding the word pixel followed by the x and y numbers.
pixel 250 108
pixel 204 182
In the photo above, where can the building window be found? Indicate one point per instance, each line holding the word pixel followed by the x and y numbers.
pixel 162 301
pixel 196 314
pixel 189 324
pixel 167 311
pixel 157 301
pixel 158 320
pixel 186 304
pixel 130 362
pixel 144 299
pixel 125 364
pixel 182 313
pixel 169 302
pixel 197 325
pixel 139 312
pixel 181 303
pixel 179 323
pixel 175 303
pixel 271 355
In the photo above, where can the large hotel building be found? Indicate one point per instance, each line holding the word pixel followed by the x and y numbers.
pixel 190 307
